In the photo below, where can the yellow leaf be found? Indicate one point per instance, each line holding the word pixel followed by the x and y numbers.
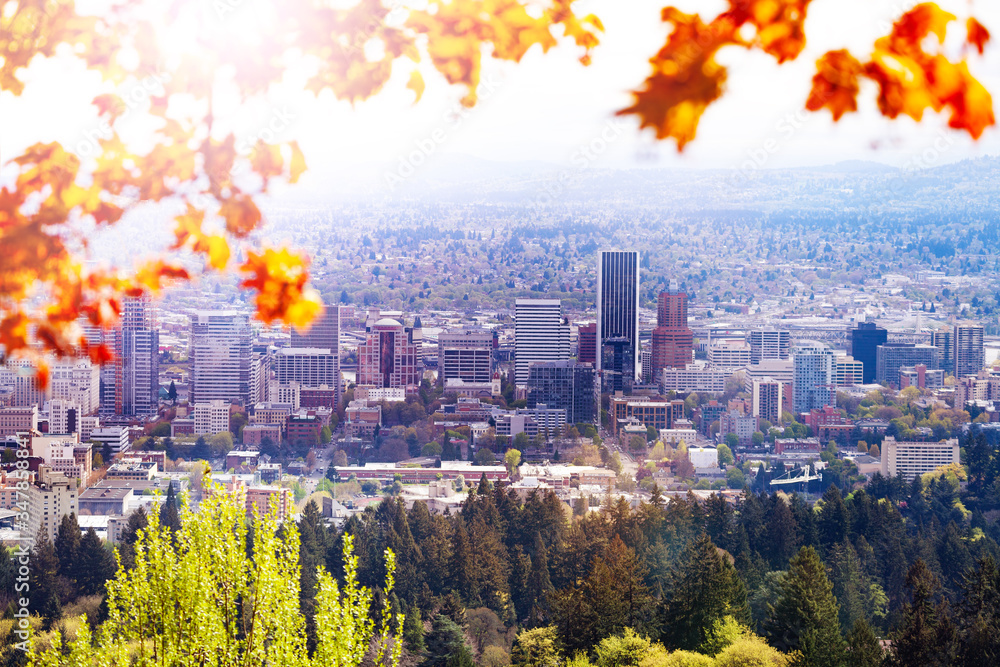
pixel 416 84
pixel 298 163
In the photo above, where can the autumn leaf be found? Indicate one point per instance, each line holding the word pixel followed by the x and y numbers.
pixel 835 85
pixel 297 165
pixel 241 214
pixel 976 34
pixel 152 274
pixel 416 84
pixel 109 104
pixel 280 278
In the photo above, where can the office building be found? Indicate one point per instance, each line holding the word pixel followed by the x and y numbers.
pixel 729 354
pixel 696 377
pixel 566 385
pixel 324 332
pixel 847 371
pixel 918 376
pixel 618 319
pixel 659 414
pixel 911 459
pixel 64 417
pixel 77 381
pixel 221 359
pixel 741 425
pixel 890 357
pixel 865 339
pixel 211 417
pixel 541 334
pixel 308 366
pixel 465 354
pixel 673 341
pixel 16 420
pixel 17 378
pixel 50 498
pixel 390 356
pixel 767 399
pixel 768 344
pixel 587 343
pixel 130 383
pixel 970 354
pixel 944 340
pixel 982 387
pixel 812 381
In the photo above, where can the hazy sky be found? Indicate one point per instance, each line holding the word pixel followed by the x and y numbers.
pixel 549 105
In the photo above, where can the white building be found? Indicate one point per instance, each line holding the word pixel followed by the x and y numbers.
pixel 211 417
pixel 541 333
pixel 115 437
pixel 812 376
pixel 729 354
pixel 77 381
pixel 50 498
pixel 910 459
pixel 221 357
pixel 694 377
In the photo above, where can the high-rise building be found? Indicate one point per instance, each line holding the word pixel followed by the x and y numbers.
pixel 812 383
pixel 324 334
pixel 221 359
pixel 768 344
pixel 865 340
pixel 310 367
pixel 390 357
pixel 567 385
pixel 211 417
pixel 767 394
pixel 587 343
pixel 78 381
pixel 50 498
pixel 890 357
pixel 970 354
pixel 465 354
pixel 541 334
pixel 17 377
pixel 729 354
pixel 673 341
pixel 137 359
pixel 618 318
pixel 944 340
pixel 64 416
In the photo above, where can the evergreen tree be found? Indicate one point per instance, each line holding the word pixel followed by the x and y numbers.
pixel 43 596
pixel 169 517
pixel 863 648
pixel 67 548
pixel 413 631
pixel 833 520
pixel 539 583
pixel 126 546
pixel 782 533
pixel 445 645
pixel 97 565
pixel 703 588
pixel 979 634
pixel 201 450
pixel 926 635
pixel 172 393
pixel 805 618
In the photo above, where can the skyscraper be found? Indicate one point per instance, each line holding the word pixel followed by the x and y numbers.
pixel 890 357
pixel 812 383
pixel 465 354
pixel 221 359
pixel 541 334
pixel 673 341
pixel 324 334
pixel 768 344
pixel 587 343
pixel 390 357
pixel 130 384
pixel 865 340
pixel 566 385
pixel 767 394
pixel 944 340
pixel 970 355
pixel 618 318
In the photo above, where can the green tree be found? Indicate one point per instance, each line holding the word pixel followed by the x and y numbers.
pixel 538 647
pixel 805 618
pixel 485 457
pixel 201 451
pixel 625 650
pixel 521 441
pixel 512 459
pixel 97 565
pixel 864 649
pixel 701 589
pixel 432 448
pixel 926 636
pixel 445 645
pixel 43 596
pixel 725 455
pixel 172 393
pixel 169 514
pixel 732 441
pixel 413 631
pixel 67 549
pixel 227 592
pixel 325 435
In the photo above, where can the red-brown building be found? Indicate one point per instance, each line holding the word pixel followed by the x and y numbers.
pixel 390 356
pixel 587 343
pixel 827 423
pixel 673 341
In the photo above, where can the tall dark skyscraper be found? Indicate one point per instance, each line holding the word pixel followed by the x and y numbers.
pixel 618 319
pixel 673 341
pixel 865 340
pixel 970 354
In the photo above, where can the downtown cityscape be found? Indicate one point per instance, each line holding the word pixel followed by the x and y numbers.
pixel 499 333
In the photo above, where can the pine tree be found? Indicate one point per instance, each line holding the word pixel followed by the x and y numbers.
pixel 539 583
pixel 926 634
pixel 67 548
pixel 445 645
pixel 97 565
pixel 805 618
pixel 413 631
pixel 201 450
pixel 863 649
pixel 169 517
pixel 126 546
pixel 979 635
pixel 43 598
pixel 703 588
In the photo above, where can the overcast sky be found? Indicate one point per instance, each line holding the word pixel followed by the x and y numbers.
pixel 549 105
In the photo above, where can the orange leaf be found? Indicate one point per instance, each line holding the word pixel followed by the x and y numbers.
pixel 110 104
pixel 14 332
pixel 241 214
pixel 835 85
pixel 280 277
pixel 416 84
pixel 41 375
pixel 298 163
pixel 152 274
pixel 977 34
